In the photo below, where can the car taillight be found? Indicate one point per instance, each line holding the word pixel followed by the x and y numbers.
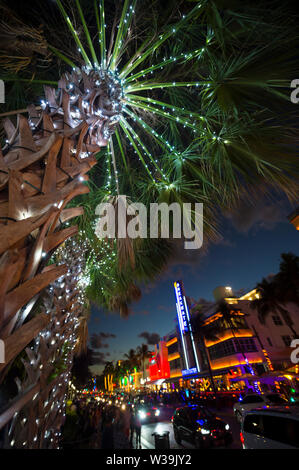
pixel 241 437
pixel 171 419
pixel 148 414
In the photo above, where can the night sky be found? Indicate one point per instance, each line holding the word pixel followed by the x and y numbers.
pixel 250 249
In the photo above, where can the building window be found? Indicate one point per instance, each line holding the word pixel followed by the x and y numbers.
pixel 277 320
pixel 245 344
pixel 175 364
pixel 232 346
pixel 287 340
pixel 173 348
pixel 269 342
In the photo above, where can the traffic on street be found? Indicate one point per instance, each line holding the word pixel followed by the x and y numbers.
pixel 160 421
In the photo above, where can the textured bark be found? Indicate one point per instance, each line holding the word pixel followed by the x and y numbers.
pixel 43 166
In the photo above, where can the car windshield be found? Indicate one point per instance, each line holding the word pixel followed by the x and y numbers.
pixel 201 413
pixel 274 398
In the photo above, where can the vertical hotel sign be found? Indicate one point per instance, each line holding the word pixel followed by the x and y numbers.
pixel 182 314
pixel 185 328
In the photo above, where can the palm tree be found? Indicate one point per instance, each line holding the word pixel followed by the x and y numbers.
pixel 288 278
pixel 269 302
pixel 201 333
pixel 82 331
pixel 234 322
pixel 108 373
pixel 181 133
pixel 133 359
pixel 143 353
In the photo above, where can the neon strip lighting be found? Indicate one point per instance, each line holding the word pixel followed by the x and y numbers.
pixel 179 311
pixel 183 341
pixel 191 335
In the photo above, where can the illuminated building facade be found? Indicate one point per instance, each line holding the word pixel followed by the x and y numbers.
pixel 294 218
pixel 242 352
pixel 158 365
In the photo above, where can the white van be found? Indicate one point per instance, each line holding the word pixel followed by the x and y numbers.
pixel 271 428
pixel 257 400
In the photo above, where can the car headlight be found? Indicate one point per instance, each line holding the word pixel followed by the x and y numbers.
pixel 227 427
pixel 157 412
pixel 142 414
pixel 205 431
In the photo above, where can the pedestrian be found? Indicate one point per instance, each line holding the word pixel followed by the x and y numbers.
pixel 131 426
pixel 137 429
pixel 127 421
pixel 107 436
pixel 120 439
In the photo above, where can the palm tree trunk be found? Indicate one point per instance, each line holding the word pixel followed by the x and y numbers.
pixel 206 354
pixel 287 319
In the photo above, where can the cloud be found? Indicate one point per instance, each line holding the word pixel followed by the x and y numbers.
pixel 99 358
pixel 107 335
pixel 260 216
pixel 165 308
pixel 97 340
pixel 139 312
pixel 151 338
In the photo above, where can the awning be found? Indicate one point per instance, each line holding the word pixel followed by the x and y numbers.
pixel 157 382
pixel 173 379
pixel 214 372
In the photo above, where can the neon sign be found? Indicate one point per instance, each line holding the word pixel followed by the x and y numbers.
pixel 184 324
pixel 182 314
pixel 191 371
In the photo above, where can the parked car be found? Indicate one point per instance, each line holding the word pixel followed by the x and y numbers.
pixel 271 428
pixel 198 425
pixel 256 400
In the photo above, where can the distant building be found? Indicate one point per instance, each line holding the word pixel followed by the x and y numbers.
pixel 242 353
pixel 246 353
pixel 174 359
pixel 294 218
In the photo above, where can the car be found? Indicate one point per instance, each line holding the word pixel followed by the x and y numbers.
pixel 256 400
pixel 147 412
pixel 198 425
pixel 271 428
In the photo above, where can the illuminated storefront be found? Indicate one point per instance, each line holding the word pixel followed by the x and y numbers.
pixel 159 370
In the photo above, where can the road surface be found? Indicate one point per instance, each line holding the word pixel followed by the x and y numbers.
pixel 164 424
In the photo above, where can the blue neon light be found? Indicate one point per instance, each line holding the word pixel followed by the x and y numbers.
pixel 191 371
pixel 182 314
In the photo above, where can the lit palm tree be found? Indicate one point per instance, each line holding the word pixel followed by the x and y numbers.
pixel 185 112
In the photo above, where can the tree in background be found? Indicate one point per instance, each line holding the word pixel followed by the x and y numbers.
pixel 280 289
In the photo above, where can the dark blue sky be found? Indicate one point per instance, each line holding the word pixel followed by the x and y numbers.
pixel 250 249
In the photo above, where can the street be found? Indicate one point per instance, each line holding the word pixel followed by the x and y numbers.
pixel 164 424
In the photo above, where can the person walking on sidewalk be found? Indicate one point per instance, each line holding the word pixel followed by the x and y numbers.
pixel 131 426
pixel 137 429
